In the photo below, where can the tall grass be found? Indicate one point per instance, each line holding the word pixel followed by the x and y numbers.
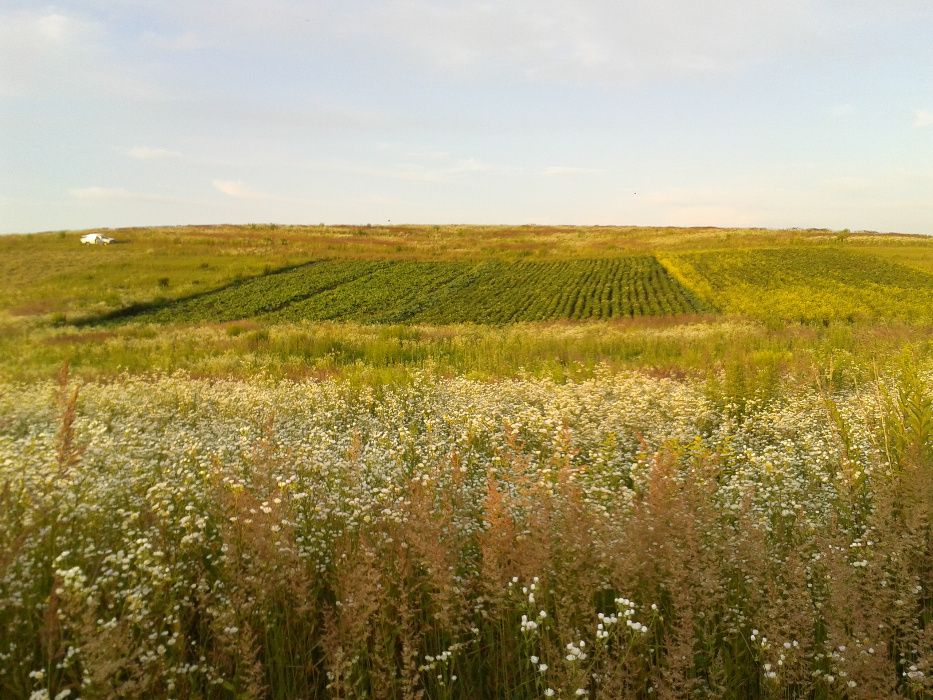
pixel 739 358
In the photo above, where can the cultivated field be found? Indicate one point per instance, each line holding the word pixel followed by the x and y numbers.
pixel 440 293
pixel 452 462
pixel 810 284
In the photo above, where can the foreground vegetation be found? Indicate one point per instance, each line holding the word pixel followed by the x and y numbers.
pixel 747 356
pixel 624 536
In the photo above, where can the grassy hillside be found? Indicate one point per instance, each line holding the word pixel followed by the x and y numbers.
pixel 45 275
pixel 291 300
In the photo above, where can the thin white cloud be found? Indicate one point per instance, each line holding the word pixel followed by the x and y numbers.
pixel 923 118
pixel 187 41
pixel 150 153
pixel 450 170
pixel 410 154
pixel 54 27
pixel 99 193
pixel 238 190
pixel 560 170
pixel 468 165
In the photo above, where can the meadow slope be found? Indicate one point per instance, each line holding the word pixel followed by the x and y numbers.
pixel 51 275
pixel 295 301
pixel 466 462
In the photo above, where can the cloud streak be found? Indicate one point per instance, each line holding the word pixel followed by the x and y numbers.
pixel 562 170
pixel 150 153
pixel 446 170
pixel 238 189
pixel 95 194
pixel 186 41
pixel 99 193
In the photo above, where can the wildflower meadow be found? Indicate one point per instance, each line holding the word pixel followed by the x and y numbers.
pixel 618 536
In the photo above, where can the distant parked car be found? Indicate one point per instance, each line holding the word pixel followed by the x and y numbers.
pixel 96 239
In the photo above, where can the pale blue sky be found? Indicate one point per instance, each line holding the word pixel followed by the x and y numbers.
pixel 724 112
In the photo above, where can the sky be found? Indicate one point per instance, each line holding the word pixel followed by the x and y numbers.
pixel 799 113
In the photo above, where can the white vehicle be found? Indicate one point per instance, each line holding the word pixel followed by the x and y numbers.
pixel 96 239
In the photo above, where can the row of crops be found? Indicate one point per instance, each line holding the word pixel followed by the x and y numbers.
pixel 494 292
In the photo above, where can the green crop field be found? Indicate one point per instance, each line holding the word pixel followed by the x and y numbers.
pixel 440 292
pixel 464 462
